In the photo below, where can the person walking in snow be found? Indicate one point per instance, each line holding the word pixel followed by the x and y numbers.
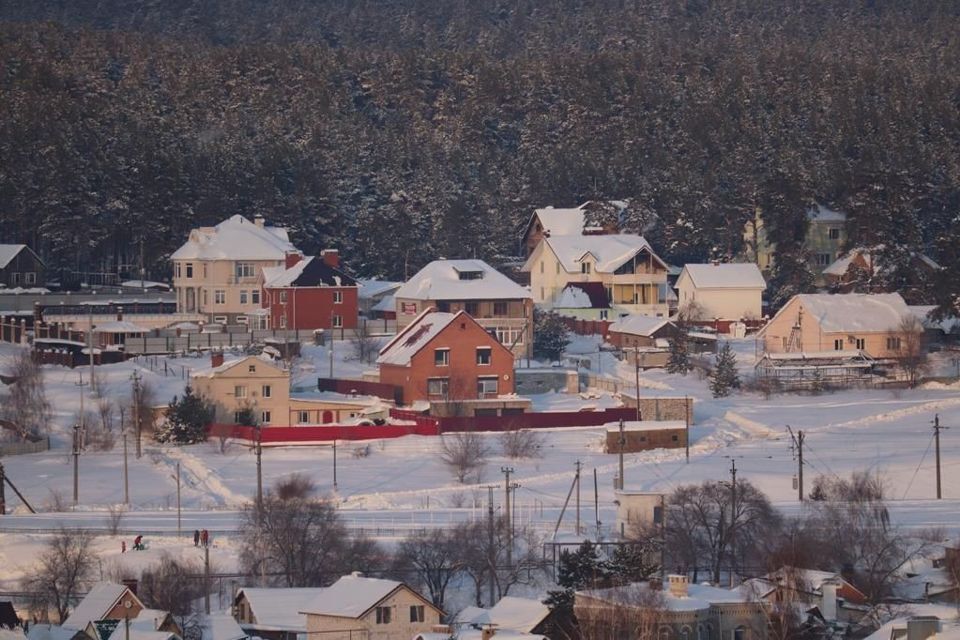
pixel 138 543
pixel 203 537
pixel 123 546
pixel 196 537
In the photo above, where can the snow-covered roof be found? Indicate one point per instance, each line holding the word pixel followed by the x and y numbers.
pixel 309 272
pixel 50 632
pixel 639 325
pixel 609 252
pixel 12 634
pixel 280 609
pixel 351 596
pixel 415 336
pixel 118 326
pixel 460 280
pixel 97 603
pixel 236 238
pixel 466 633
pixel 210 372
pixel 698 596
pixel 561 222
pixel 874 260
pixel 819 213
pixel 120 633
pixel 727 275
pixel 221 626
pixel 373 288
pixel 573 298
pixel 387 303
pixel 8 252
pixel 518 614
pixel 144 284
pixel 855 312
pixel 645 425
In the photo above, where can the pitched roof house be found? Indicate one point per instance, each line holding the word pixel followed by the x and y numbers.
pixel 852 322
pixel 835 597
pixel 641 331
pixel 590 218
pixel 217 270
pixel 274 613
pixel 20 267
pixel 724 291
pixel 355 606
pixel 106 600
pixel 447 358
pixel 310 293
pixel 499 304
pixel 625 265
pixel 509 614
pixel 860 268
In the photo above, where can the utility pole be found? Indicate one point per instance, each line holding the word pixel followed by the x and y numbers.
pixel 798 443
pixel 506 471
pixel 622 441
pixel 93 386
pixel 636 362
pixel 936 435
pixel 491 556
pixel 81 384
pixel 577 477
pixel 178 500
pixel 686 417
pixel 258 449
pixel 206 579
pixel 136 410
pixel 733 519
pixel 126 476
pixel 3 495
pixel 331 346
pixel 596 502
pixel 334 464
pixel 76 464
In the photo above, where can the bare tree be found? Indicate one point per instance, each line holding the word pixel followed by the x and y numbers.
pixel 913 357
pixel 481 562
pixel 522 443
pixel 632 611
pixel 173 585
pixel 26 405
pixel 64 570
pixel 782 619
pixel 141 405
pixel 435 558
pixel 115 515
pixel 465 454
pixel 365 344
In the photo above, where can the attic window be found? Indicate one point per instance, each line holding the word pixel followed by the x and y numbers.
pixel 470 275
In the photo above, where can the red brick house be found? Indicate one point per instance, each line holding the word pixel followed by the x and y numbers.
pixel 309 293
pixel 447 357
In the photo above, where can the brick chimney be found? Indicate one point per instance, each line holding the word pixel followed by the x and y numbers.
pixel 331 258
pixel 677 586
pixel 291 259
pixel 259 221
pixel 216 358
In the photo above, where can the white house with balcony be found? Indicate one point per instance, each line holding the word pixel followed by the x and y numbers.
pixel 216 272
pixel 633 276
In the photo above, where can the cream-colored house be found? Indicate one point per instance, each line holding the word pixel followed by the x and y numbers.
pixel 370 608
pixel 217 271
pixel 264 387
pixel 730 291
pixel 871 324
pixel 825 236
pixel 633 276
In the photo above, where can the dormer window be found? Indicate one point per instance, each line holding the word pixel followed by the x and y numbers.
pixel 470 275
pixel 585 267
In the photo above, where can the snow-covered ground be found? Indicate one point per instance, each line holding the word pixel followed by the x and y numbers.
pixel 401 483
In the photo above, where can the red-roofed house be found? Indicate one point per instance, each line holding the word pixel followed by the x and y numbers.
pixel 447 357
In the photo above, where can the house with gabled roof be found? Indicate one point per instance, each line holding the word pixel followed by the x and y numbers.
pixel 310 293
pixel 217 271
pixel 527 616
pixel 21 267
pixel 721 291
pixel 633 276
pixel 500 305
pixel 359 607
pixel 590 218
pixel 105 601
pixel 632 331
pixel 859 269
pixel 449 359
pixel 835 598
pixel 274 613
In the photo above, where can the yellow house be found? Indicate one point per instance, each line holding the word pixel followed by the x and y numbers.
pixel 370 608
pixel 853 322
pixel 625 265
pixel 731 291
pixel 217 271
pixel 264 388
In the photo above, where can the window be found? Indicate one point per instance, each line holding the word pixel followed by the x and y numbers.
pixel 441 357
pixel 283 322
pixel 657 514
pixel 838 344
pixel 15 278
pixel 240 391
pixel 204 270
pixel 740 633
pixel 303 417
pixel 252 368
pixel 823 259
pixel 416 613
pixel 204 297
pixel 438 386
pixel 283 297
pixel 255 297
pixel 243 296
pixel 500 308
pixel 509 336
pixel 242 320
pixel 30 277
pixel 541 266
pixel 484 355
pixel 265 417
pixel 244 270
pixel 487 386
pixel 238 417
pixel 443 307
pixel 861 344
pixel 383 615
pixel 266 391
pixel 177 269
pixel 189 269
pixel 337 322
pixel 834 233
pixel 337 297
pixel 219 296
pixel 893 344
pixel 220 319
pixel 584 267
pixel 472 308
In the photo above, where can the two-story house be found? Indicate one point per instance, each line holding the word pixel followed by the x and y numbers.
pixel 310 293
pixel 824 240
pixel 447 358
pixel 591 218
pixel 20 267
pixel 217 272
pixel 724 291
pixel 500 305
pixel 625 265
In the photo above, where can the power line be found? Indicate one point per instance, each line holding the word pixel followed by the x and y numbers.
pixel 917 470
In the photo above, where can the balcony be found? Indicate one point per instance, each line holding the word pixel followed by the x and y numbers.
pixel 637 278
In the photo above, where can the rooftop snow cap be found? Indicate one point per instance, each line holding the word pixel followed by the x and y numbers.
pixel 331 257
pixel 259 220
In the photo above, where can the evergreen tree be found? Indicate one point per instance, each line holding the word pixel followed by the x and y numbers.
pixel 632 562
pixel 187 420
pixel 724 376
pixel 550 336
pixel 679 358
pixel 581 569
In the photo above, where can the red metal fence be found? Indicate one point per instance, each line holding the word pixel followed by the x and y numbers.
pixel 305 435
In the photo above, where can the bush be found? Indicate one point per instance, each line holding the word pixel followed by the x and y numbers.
pixel 521 444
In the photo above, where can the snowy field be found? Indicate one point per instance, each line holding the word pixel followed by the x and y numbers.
pixel 402 483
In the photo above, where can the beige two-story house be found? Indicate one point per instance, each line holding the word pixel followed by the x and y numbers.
pixel 217 271
pixel 370 608
pixel 625 265
pixel 724 291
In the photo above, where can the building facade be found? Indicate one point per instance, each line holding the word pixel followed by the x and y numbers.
pixel 20 267
pixel 310 293
pixel 715 291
